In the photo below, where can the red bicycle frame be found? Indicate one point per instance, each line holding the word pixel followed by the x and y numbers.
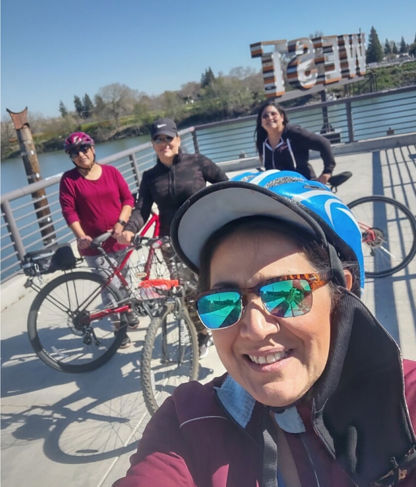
pixel 152 221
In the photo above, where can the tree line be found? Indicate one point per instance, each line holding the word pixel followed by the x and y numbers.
pixel 376 53
pixel 118 111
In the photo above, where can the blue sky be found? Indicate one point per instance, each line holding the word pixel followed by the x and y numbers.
pixel 54 49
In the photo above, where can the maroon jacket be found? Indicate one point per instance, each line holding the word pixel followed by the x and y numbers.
pixel 357 427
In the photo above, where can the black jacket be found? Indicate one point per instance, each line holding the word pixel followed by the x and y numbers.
pixel 292 152
pixel 169 187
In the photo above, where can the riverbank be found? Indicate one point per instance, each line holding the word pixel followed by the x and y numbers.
pixel 204 108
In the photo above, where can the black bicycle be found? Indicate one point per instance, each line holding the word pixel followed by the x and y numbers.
pixel 388 230
pixel 170 353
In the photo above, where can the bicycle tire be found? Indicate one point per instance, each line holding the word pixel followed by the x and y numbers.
pixel 393 226
pixel 163 370
pixel 61 341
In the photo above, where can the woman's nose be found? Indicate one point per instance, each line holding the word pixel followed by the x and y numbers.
pixel 256 322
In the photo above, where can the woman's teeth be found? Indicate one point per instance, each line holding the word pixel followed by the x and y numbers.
pixel 268 359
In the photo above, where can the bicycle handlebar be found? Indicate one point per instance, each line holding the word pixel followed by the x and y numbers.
pixel 138 240
pixel 97 241
pixel 154 242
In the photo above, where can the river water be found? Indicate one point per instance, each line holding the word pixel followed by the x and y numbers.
pixel 381 115
pixel 371 118
pixel 13 174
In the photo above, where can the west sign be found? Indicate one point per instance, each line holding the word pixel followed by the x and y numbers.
pixel 321 60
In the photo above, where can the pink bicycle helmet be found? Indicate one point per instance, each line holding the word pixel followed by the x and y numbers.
pixel 77 139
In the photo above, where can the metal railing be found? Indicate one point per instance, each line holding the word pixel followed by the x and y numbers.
pixel 230 143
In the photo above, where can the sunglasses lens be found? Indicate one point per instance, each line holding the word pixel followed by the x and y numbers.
pixel 82 148
pixel 287 299
pixel 219 310
pixel 163 140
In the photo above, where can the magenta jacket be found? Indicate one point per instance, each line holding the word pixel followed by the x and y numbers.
pixel 355 431
pixel 95 204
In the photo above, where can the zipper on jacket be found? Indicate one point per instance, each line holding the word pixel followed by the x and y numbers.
pixel 311 462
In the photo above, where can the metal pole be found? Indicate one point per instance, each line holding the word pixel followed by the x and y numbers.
pixel 195 141
pixel 349 121
pixel 136 172
pixel 326 127
pixel 13 229
pixel 32 168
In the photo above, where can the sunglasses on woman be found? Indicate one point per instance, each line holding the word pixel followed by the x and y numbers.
pixel 283 296
pixel 163 139
pixel 82 148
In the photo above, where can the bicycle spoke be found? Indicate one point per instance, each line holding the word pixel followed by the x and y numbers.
pixel 59 323
pixel 170 357
pixel 389 234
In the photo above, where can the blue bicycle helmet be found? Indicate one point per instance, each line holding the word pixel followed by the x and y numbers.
pixel 284 195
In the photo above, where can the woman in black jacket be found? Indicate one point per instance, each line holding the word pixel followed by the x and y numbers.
pixel 284 146
pixel 171 181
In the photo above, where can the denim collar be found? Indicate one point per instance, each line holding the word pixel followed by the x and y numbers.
pixel 240 404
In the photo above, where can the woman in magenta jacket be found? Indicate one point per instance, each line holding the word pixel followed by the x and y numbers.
pixel 95 198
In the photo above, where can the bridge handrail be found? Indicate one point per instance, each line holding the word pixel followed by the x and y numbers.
pixel 232 146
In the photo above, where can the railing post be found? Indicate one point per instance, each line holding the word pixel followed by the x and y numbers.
pixel 326 126
pixel 349 121
pixel 32 168
pixel 12 227
pixel 195 141
pixel 135 169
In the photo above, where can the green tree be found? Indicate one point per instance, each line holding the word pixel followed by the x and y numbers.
pixel 403 46
pixel 207 78
pixel 62 109
pixel 79 107
pixel 190 92
pixel 387 47
pixel 394 49
pixel 172 104
pixel 374 49
pixel 7 135
pixel 99 105
pixel 141 110
pixel 119 100
pixel 88 106
pixel 412 48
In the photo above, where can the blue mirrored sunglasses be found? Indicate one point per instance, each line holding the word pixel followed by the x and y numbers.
pixel 283 296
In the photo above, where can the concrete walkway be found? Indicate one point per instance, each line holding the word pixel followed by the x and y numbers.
pixel 61 429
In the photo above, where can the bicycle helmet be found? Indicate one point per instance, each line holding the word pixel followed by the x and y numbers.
pixel 284 195
pixel 77 139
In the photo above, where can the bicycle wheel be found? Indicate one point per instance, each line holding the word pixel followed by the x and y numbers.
pixel 170 356
pixel 147 263
pixel 388 234
pixel 59 326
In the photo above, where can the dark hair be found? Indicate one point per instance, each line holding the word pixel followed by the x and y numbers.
pixel 259 133
pixel 315 251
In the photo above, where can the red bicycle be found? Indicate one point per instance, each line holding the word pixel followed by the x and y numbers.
pixel 77 321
